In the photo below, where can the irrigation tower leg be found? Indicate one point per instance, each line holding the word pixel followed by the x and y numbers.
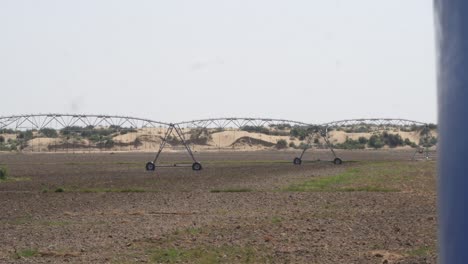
pixel 298 160
pixel 151 166
pixel 178 130
pixel 303 151
pixel 336 160
pixel 163 143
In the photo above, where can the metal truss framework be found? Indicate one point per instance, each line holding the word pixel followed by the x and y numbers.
pixel 86 122
pixel 384 124
pixel 59 121
pixel 239 122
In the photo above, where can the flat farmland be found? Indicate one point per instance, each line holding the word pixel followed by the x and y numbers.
pixel 243 207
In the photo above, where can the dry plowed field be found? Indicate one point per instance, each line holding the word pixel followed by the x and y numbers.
pixel 243 207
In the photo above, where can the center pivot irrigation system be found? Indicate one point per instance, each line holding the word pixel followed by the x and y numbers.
pixel 313 133
pixel 213 123
pixel 370 125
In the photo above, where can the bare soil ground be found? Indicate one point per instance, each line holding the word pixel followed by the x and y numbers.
pixel 243 207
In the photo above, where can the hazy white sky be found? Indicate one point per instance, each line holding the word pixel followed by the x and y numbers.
pixel 310 60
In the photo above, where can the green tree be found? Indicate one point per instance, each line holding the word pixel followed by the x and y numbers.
pixel 363 140
pixel 392 140
pixel 49 132
pixel 375 141
pixel 299 132
pixel 26 135
pixel 281 144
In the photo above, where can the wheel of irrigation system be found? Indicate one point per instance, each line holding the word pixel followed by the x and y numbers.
pixel 421 150
pixel 297 161
pixel 337 161
pixel 196 166
pixel 150 166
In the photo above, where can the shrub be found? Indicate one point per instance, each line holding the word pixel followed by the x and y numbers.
pixel 174 141
pixel 375 141
pixel 7 131
pixel 137 143
pixel 199 136
pixel 109 143
pixel 3 173
pixel 26 135
pixel 363 140
pixel 428 142
pixel 2 139
pixel 69 130
pixel 408 142
pixel 282 126
pixel 360 129
pixel 256 129
pixel 49 132
pixel 392 140
pixel 299 132
pixel 292 145
pixel 281 144
pixel 95 138
pixel 351 144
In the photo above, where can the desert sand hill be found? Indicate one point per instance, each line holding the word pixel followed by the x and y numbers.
pixel 148 139
pixel 144 134
pixel 227 138
pixel 340 136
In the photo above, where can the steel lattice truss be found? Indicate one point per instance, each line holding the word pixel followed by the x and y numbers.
pixel 239 122
pixel 82 121
pixel 59 121
pixel 374 122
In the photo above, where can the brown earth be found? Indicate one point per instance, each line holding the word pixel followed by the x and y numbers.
pixel 235 210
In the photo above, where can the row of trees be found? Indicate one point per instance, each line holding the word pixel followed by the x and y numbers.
pixel 302 132
pixel 384 139
pixel 89 132
pixel 375 141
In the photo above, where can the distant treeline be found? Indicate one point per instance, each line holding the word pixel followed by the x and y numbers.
pixel 380 140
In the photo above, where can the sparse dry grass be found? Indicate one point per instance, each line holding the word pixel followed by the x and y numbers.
pixel 371 177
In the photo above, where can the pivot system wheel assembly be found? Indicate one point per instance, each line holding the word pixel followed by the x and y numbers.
pixel 150 166
pixel 196 166
pixel 337 161
pixel 297 161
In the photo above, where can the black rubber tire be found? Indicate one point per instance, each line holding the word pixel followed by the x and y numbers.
pixel 297 161
pixel 150 166
pixel 421 150
pixel 337 161
pixel 196 166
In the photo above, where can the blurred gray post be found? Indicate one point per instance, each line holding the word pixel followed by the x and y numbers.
pixel 452 41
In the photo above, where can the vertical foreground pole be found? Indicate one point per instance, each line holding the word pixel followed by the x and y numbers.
pixel 452 41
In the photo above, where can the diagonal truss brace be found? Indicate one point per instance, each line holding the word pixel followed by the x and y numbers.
pixel 173 129
pixel 336 160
